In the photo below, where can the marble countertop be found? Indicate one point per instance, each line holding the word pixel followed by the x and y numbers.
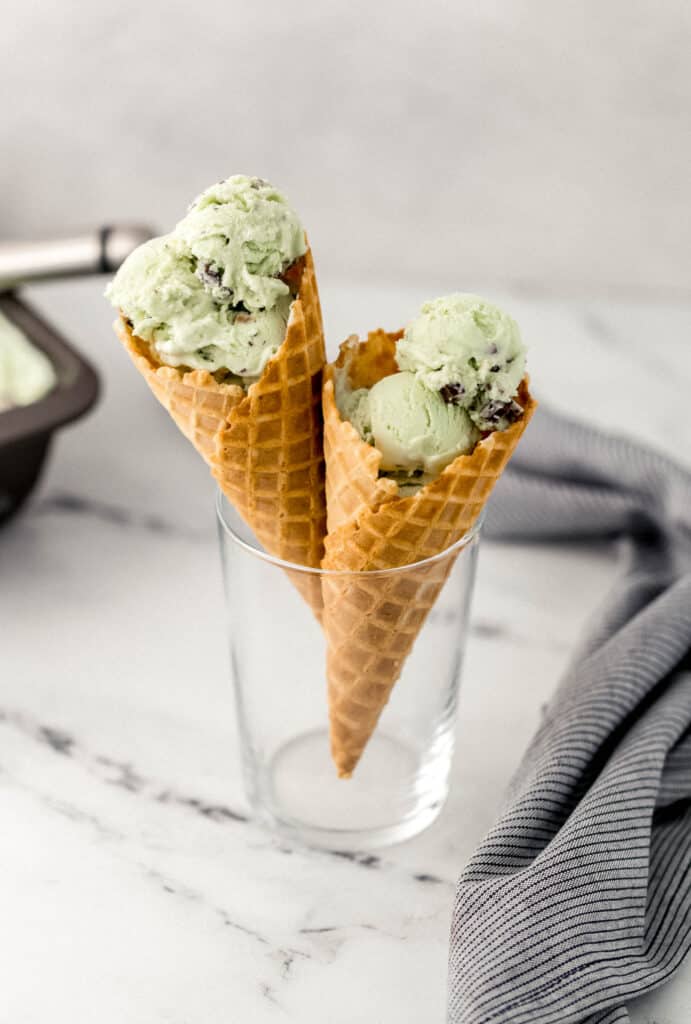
pixel 134 888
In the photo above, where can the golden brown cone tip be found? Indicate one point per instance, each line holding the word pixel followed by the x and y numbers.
pixel 263 445
pixel 371 622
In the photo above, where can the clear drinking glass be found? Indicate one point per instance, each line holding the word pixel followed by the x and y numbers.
pixel 278 654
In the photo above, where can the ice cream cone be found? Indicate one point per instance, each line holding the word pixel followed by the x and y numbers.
pixel 371 620
pixel 264 446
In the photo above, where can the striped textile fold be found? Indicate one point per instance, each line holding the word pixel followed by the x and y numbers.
pixel 579 899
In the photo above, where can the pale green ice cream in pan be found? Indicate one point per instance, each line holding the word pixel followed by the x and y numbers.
pixel 26 374
pixel 209 295
pixel 461 361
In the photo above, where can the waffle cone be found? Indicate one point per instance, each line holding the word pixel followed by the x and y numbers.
pixel 263 446
pixel 371 621
pixel 194 398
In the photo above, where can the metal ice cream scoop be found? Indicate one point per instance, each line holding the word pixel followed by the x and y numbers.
pixel 100 252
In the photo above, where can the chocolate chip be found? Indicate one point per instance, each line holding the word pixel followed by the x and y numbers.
pixel 492 349
pixel 259 183
pixel 496 413
pixel 452 393
pixel 495 369
pixel 211 277
pixel 208 271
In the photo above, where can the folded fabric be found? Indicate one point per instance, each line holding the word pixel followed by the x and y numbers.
pixel 579 899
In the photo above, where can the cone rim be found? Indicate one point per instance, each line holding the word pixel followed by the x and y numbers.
pixel 222 502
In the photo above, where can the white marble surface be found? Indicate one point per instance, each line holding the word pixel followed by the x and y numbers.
pixel 133 888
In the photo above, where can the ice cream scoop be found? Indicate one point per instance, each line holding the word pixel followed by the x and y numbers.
pixel 243 235
pixel 26 374
pixel 471 353
pixel 211 295
pixel 96 252
pixel 414 428
pixel 166 304
pixel 416 431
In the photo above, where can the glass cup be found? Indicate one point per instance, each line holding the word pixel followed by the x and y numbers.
pixel 278 651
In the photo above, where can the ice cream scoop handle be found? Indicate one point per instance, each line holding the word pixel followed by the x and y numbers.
pixel 100 252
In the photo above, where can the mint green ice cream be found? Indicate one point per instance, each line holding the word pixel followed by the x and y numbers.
pixel 166 303
pixel 461 363
pixel 469 351
pixel 354 406
pixel 26 374
pixel 209 294
pixel 414 428
pixel 416 431
pixel 243 235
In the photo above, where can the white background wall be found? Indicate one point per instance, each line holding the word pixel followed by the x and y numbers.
pixel 543 145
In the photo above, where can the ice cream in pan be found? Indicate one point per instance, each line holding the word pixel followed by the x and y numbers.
pixel 26 374
pixel 222 318
pixel 418 426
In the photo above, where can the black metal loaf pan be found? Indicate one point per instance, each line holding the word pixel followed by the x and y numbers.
pixel 26 431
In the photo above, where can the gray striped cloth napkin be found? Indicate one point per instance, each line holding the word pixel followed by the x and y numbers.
pixel 579 899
